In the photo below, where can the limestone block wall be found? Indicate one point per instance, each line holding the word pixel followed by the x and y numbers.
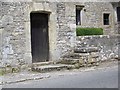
pixel 12 32
pixel 0 47
pixel 15 39
pixel 115 5
pixel 92 15
pixel 65 27
pixel 118 27
pixel 107 44
pixel 119 39
pixel 15 35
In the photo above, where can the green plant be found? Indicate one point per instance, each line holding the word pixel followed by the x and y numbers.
pixel 15 70
pixel 2 72
pixel 89 31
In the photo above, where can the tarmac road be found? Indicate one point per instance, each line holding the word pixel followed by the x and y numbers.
pixel 98 78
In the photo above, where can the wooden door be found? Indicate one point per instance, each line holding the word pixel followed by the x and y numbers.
pixel 39 37
pixel 118 14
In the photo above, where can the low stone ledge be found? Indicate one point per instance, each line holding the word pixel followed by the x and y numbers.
pixel 86 50
pixel 108 45
pixel 49 68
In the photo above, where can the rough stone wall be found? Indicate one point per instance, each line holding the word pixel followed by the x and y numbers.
pixel 65 28
pixel 108 45
pixel 92 16
pixel 118 28
pixel 0 48
pixel 15 27
pixel 13 17
pixel 119 39
pixel 116 23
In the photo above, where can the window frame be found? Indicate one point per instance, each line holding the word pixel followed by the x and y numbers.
pixel 78 9
pixel 106 21
pixel 118 18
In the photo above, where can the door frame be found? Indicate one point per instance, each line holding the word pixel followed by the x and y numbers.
pixel 48 13
pixel 52 28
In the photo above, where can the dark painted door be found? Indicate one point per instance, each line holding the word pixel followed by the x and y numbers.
pixel 118 13
pixel 39 37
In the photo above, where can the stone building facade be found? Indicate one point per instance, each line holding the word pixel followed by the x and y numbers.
pixel 116 7
pixel 15 27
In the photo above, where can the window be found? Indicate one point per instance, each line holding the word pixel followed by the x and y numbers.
pixel 106 18
pixel 118 13
pixel 78 19
pixel 78 14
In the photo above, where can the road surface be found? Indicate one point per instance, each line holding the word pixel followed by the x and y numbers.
pixel 99 78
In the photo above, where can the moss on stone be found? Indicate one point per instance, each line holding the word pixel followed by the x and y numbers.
pixel 2 72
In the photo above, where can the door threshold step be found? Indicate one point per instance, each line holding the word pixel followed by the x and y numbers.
pixel 52 67
pixel 42 63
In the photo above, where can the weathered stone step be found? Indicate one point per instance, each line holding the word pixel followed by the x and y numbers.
pixel 52 67
pixel 76 55
pixel 83 59
pixel 69 61
pixel 42 63
pixel 80 55
pixel 86 49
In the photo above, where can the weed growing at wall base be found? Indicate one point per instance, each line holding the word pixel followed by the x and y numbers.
pixel 88 31
pixel 2 72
